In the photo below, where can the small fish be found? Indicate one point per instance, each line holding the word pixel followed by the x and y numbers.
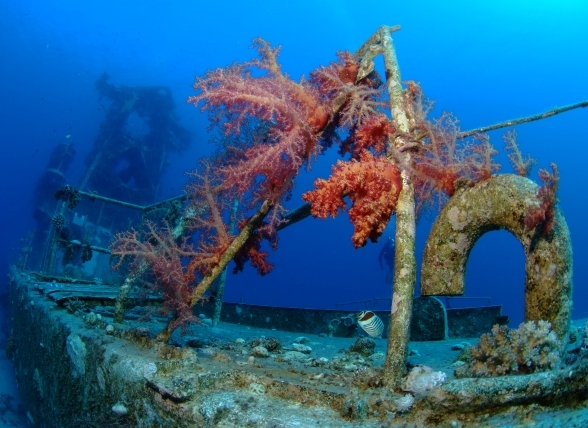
pixel 370 323
pixel 68 136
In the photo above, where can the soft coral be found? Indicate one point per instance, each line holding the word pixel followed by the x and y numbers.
pixel 543 215
pixel 441 161
pixel 155 250
pixel 372 184
pixel 295 111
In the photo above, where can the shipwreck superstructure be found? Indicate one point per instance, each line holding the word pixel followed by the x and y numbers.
pixel 92 346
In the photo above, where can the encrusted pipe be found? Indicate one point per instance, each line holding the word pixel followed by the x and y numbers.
pixel 119 305
pixel 220 292
pixel 405 261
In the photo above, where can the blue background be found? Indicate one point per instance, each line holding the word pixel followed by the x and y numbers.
pixel 484 61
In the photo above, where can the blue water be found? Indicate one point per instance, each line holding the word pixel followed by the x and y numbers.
pixel 484 61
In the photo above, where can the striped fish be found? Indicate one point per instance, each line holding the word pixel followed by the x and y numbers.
pixel 370 323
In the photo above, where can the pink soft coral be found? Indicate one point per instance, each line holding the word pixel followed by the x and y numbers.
pixel 354 101
pixel 297 114
pixel 295 111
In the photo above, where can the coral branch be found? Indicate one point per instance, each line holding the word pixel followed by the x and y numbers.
pixel 297 113
pixel 520 164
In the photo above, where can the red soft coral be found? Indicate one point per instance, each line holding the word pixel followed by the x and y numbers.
pixel 372 185
pixel 441 161
pixel 543 215
pixel 443 158
pixel 373 134
pixel 251 250
pixel 157 252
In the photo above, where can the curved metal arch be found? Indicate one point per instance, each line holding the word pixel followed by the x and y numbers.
pixel 502 202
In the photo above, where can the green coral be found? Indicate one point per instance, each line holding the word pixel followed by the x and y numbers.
pixel 533 347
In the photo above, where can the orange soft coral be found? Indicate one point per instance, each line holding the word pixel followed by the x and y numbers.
pixel 372 184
